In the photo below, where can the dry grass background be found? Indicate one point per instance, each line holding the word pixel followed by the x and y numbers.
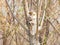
pixel 15 34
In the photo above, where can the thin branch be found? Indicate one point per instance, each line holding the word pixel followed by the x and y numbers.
pixel 7 35
pixel 25 4
pixel 11 39
pixel 23 36
pixel 27 30
pixel 34 3
pixel 54 27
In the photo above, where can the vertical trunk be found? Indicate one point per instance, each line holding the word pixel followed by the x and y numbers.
pixel 46 32
pixel 26 13
pixel 37 19
pixel 30 5
pixel 4 41
pixel 47 28
pixel 47 25
pixel 13 9
pixel 1 40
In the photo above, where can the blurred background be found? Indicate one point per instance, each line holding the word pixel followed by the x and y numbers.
pixel 14 29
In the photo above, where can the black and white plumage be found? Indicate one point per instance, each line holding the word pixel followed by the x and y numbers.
pixel 32 20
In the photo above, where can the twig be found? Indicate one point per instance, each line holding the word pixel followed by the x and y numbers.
pixel 17 18
pixel 23 36
pixel 54 27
